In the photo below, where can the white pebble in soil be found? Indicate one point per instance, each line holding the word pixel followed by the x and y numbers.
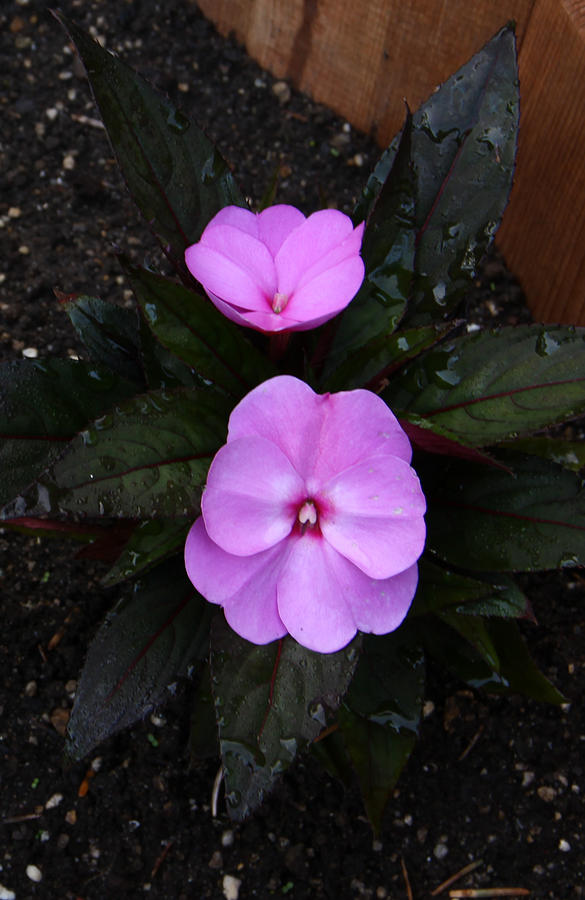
pixel 34 873
pixel 6 893
pixel 231 887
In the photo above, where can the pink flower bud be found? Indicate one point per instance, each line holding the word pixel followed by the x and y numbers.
pixel 277 270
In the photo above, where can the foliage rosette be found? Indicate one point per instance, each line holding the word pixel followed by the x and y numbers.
pixel 127 448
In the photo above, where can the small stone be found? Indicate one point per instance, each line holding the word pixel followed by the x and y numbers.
pixel 30 352
pixel 71 816
pixel 34 873
pixel 51 113
pixel 564 846
pixel 31 689
pixel 546 793
pixel 59 718
pixel 227 838
pixel 183 87
pixel 216 861
pixel 71 686
pixel 281 91
pixel 6 893
pixel 527 778
pixel 231 887
pixel 15 212
pixel 24 250
pixel 440 851
pixel 68 162
pixel 54 801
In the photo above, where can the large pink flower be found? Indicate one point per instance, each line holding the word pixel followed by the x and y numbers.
pixel 312 518
pixel 278 271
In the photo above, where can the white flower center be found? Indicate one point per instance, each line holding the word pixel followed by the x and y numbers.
pixel 308 513
pixel 279 302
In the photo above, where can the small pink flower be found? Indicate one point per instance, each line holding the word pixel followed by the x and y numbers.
pixel 278 271
pixel 312 518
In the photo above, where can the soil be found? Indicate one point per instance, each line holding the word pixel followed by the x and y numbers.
pixel 498 782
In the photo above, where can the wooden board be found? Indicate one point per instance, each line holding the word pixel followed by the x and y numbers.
pixel 362 58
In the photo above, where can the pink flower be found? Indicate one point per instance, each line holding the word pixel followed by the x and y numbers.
pixel 312 518
pixel 278 271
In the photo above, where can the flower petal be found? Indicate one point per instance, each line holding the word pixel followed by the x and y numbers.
pixel 347 249
pixel 373 515
pixel 275 223
pixel 233 248
pixel 245 586
pixel 307 244
pixel 310 601
pixel 328 293
pixel 378 605
pixel 285 411
pixel 251 497
pixel 357 425
pixel 237 217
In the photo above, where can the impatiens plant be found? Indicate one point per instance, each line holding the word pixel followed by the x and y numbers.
pixel 253 448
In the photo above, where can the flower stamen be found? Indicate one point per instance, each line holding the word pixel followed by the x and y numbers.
pixel 308 513
pixel 279 301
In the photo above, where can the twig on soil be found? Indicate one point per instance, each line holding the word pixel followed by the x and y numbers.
pixel 24 817
pixel 472 743
pixel 161 858
pixel 409 893
pixel 215 792
pixel 485 893
pixel 471 867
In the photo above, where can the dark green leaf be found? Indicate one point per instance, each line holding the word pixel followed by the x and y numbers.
pixel 174 173
pixel 145 643
pixel 516 672
pixel 530 519
pixel 43 404
pixel 464 147
pixel 148 457
pixel 517 666
pixel 380 716
pixel 491 386
pixel 271 701
pixel 388 254
pixel 375 361
pixel 203 739
pixel 567 453
pixel 110 334
pixel 442 590
pixel 190 327
pixel 150 543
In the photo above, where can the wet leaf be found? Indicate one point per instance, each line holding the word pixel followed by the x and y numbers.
pixel 380 715
pixel 145 643
pixel 271 701
pixel 388 254
pixel 567 453
pixel 464 145
pixel 176 176
pixel 190 327
pixel 515 673
pixel 495 385
pixel 529 519
pixel 441 590
pixel 151 542
pixel 373 363
pixel 147 457
pixel 110 334
pixel 43 404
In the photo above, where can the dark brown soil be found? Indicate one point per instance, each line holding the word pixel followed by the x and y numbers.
pixel 496 780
